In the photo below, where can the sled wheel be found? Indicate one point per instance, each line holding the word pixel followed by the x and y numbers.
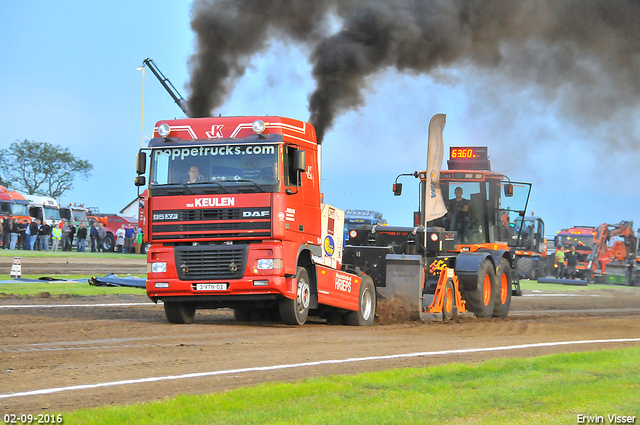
pixel 516 290
pixel 366 305
pixel 449 309
pixel 295 312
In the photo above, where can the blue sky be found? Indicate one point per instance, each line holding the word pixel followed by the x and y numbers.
pixel 69 77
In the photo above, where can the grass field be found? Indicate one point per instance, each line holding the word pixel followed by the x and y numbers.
pixel 62 288
pixel 533 285
pixel 552 389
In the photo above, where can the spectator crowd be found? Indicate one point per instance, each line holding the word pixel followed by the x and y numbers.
pixel 60 235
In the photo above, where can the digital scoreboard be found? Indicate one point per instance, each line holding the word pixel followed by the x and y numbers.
pixel 469 158
pixel 472 153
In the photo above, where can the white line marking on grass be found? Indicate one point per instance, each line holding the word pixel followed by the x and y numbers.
pixel 560 295
pixel 73 305
pixel 307 364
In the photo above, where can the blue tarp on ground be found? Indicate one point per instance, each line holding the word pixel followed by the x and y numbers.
pixel 564 281
pixel 113 280
pixel 45 279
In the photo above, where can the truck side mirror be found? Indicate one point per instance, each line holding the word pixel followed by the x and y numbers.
pixel 508 190
pixel 397 189
pixel 299 163
pixel 141 166
pixel 140 181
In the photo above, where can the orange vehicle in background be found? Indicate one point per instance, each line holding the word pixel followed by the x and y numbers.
pixel 614 254
pixel 12 203
pixel 584 239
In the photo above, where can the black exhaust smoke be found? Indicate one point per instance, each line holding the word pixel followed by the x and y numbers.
pixel 590 47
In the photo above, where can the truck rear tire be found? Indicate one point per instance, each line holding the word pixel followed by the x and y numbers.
pixel 108 243
pixel 482 300
pixel 295 312
pixel 179 312
pixel 366 305
pixel 503 287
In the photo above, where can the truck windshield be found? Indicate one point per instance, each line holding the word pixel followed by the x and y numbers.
pixel 227 165
pixel 79 216
pixel 578 240
pixel 51 214
pixel 20 209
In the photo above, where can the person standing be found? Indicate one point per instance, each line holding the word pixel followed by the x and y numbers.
pixel 102 234
pixel 34 229
pixel 572 262
pixel 128 239
pixel 560 262
pixel 45 232
pixel 64 227
pixel 27 235
pixel 82 237
pixel 138 240
pixel 22 236
pixel 72 233
pixel 6 232
pixel 93 235
pixel 120 234
pixel 56 236
pixel 15 231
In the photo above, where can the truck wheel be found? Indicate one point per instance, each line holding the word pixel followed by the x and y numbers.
pixel 179 313
pixel 108 243
pixel 366 305
pixel 449 309
pixel 242 314
pixel 503 287
pixel 482 300
pixel 295 312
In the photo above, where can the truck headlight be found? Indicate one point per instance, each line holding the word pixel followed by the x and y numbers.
pixel 159 267
pixel 269 263
pixel 258 126
pixel 164 130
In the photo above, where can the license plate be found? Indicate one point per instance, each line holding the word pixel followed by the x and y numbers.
pixel 211 286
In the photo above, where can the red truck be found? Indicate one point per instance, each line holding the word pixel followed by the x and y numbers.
pixel 234 217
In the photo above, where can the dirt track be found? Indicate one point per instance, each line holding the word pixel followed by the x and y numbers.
pixel 58 347
pixel 89 265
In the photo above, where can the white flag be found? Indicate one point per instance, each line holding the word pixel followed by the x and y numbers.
pixel 434 204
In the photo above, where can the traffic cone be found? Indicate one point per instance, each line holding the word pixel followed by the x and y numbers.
pixel 16 268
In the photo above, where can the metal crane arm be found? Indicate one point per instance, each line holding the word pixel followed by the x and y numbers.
pixel 173 92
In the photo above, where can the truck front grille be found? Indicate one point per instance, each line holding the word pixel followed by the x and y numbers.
pixel 211 262
pixel 223 223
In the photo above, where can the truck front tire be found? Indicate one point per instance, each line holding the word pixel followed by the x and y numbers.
pixel 295 312
pixel 179 312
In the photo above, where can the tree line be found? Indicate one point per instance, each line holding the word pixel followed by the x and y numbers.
pixel 41 168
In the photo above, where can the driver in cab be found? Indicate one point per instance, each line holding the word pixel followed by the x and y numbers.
pixel 194 175
pixel 458 215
